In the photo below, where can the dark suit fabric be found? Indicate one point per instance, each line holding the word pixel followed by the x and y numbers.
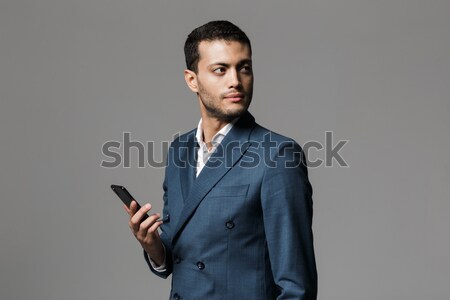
pixel 242 229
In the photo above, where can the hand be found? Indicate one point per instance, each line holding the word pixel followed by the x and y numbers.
pixel 146 232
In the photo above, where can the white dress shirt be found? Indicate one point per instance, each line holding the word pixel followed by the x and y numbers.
pixel 203 155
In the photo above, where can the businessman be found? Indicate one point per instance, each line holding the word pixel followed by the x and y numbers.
pixel 237 216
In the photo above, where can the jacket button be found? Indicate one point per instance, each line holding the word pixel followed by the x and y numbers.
pixel 229 224
pixel 177 260
pixel 176 297
pixel 200 265
pixel 166 218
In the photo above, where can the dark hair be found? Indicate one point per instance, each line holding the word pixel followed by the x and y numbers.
pixel 211 31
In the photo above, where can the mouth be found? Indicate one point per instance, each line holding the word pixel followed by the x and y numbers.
pixel 234 97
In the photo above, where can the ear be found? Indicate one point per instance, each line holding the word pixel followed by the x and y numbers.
pixel 191 80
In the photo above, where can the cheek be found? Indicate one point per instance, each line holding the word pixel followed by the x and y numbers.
pixel 209 83
pixel 248 82
pixel 212 88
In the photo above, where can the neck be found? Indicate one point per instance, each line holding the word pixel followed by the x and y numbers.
pixel 211 126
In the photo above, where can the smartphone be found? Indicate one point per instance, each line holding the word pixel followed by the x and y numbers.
pixel 126 197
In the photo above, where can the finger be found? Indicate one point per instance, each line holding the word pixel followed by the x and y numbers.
pixel 154 228
pixel 141 212
pixel 146 224
pixel 136 218
pixel 152 233
pixel 133 207
pixel 127 209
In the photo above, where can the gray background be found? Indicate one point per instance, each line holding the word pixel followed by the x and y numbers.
pixel 75 74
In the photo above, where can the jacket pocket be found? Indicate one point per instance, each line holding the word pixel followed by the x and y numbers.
pixel 229 191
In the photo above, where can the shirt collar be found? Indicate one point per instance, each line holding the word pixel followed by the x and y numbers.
pixel 218 137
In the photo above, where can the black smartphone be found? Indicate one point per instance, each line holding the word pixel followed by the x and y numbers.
pixel 126 197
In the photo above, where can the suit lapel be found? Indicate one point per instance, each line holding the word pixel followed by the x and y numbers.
pixel 228 153
pixel 188 155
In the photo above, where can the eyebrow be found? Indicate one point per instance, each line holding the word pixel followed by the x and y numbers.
pixel 242 62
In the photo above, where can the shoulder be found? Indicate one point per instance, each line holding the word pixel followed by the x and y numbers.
pixel 183 139
pixel 262 134
pixel 277 147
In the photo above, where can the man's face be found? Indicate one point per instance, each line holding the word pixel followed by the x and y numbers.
pixel 224 79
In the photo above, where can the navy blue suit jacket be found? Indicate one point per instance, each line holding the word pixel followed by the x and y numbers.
pixel 241 230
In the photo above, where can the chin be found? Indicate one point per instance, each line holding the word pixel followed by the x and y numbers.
pixel 235 113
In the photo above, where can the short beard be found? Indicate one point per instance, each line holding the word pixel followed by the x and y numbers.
pixel 223 116
pixel 215 112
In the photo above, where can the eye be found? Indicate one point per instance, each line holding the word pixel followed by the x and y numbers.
pixel 219 70
pixel 247 69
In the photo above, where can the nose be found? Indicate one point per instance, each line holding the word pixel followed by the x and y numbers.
pixel 234 81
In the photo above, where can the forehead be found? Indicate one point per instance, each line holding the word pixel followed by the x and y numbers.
pixel 223 51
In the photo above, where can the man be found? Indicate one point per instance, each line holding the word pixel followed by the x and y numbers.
pixel 237 200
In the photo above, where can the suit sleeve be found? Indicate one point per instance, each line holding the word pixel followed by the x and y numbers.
pixel 165 238
pixel 286 198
